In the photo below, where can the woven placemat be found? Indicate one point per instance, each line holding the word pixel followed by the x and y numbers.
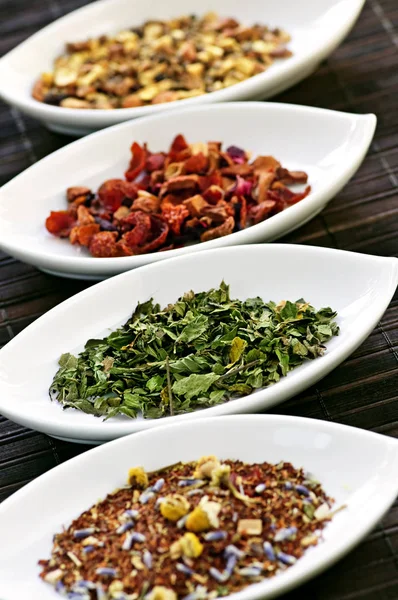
pixel 361 76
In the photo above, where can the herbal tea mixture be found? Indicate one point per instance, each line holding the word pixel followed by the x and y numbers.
pixel 160 61
pixel 191 193
pixel 195 531
pixel 203 350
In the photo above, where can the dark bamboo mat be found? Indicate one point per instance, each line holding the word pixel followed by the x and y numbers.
pixel 361 76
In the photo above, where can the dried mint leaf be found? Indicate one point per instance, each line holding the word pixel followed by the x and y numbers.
pixel 216 349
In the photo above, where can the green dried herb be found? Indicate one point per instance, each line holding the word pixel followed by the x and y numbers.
pixel 201 351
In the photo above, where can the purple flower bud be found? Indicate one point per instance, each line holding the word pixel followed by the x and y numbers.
pixel 158 485
pixel 286 559
pixel 301 489
pixel 80 534
pixel 269 551
pixel 184 569
pixel 218 576
pixel 147 559
pixel 107 571
pixel 125 527
pixel 285 534
pixel 215 536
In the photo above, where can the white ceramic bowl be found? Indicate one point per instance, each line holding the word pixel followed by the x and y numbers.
pixel 329 145
pixel 357 286
pixel 357 468
pixel 317 28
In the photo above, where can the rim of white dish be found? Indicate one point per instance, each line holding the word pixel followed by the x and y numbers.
pixel 93 117
pixel 289 419
pixel 107 266
pixel 96 432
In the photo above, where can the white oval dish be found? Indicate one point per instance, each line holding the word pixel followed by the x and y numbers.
pixel 357 286
pixel 329 145
pixel 359 469
pixel 317 28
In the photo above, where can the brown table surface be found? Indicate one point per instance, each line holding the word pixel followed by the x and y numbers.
pixel 361 76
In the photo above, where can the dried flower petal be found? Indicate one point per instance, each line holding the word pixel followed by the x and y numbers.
pixel 174 507
pixel 137 477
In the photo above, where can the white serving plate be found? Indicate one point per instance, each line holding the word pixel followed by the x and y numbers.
pixel 358 286
pixel 357 468
pixel 329 145
pixel 317 28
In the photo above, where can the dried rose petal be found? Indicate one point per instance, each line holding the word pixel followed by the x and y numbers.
pixel 237 154
pixel 241 187
pixel 105 225
pixel 137 162
pixel 286 196
pixel 155 162
pixel 261 211
pixel 178 144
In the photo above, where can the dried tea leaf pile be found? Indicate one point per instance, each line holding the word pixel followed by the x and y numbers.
pixel 160 61
pixel 195 531
pixel 203 350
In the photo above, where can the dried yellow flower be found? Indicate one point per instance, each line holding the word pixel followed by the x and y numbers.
pixel 220 475
pixel 174 507
pixel 137 477
pixel 205 467
pixel 160 592
pixel 204 516
pixel 115 587
pixel 188 545
pixel 197 520
pixel 209 467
